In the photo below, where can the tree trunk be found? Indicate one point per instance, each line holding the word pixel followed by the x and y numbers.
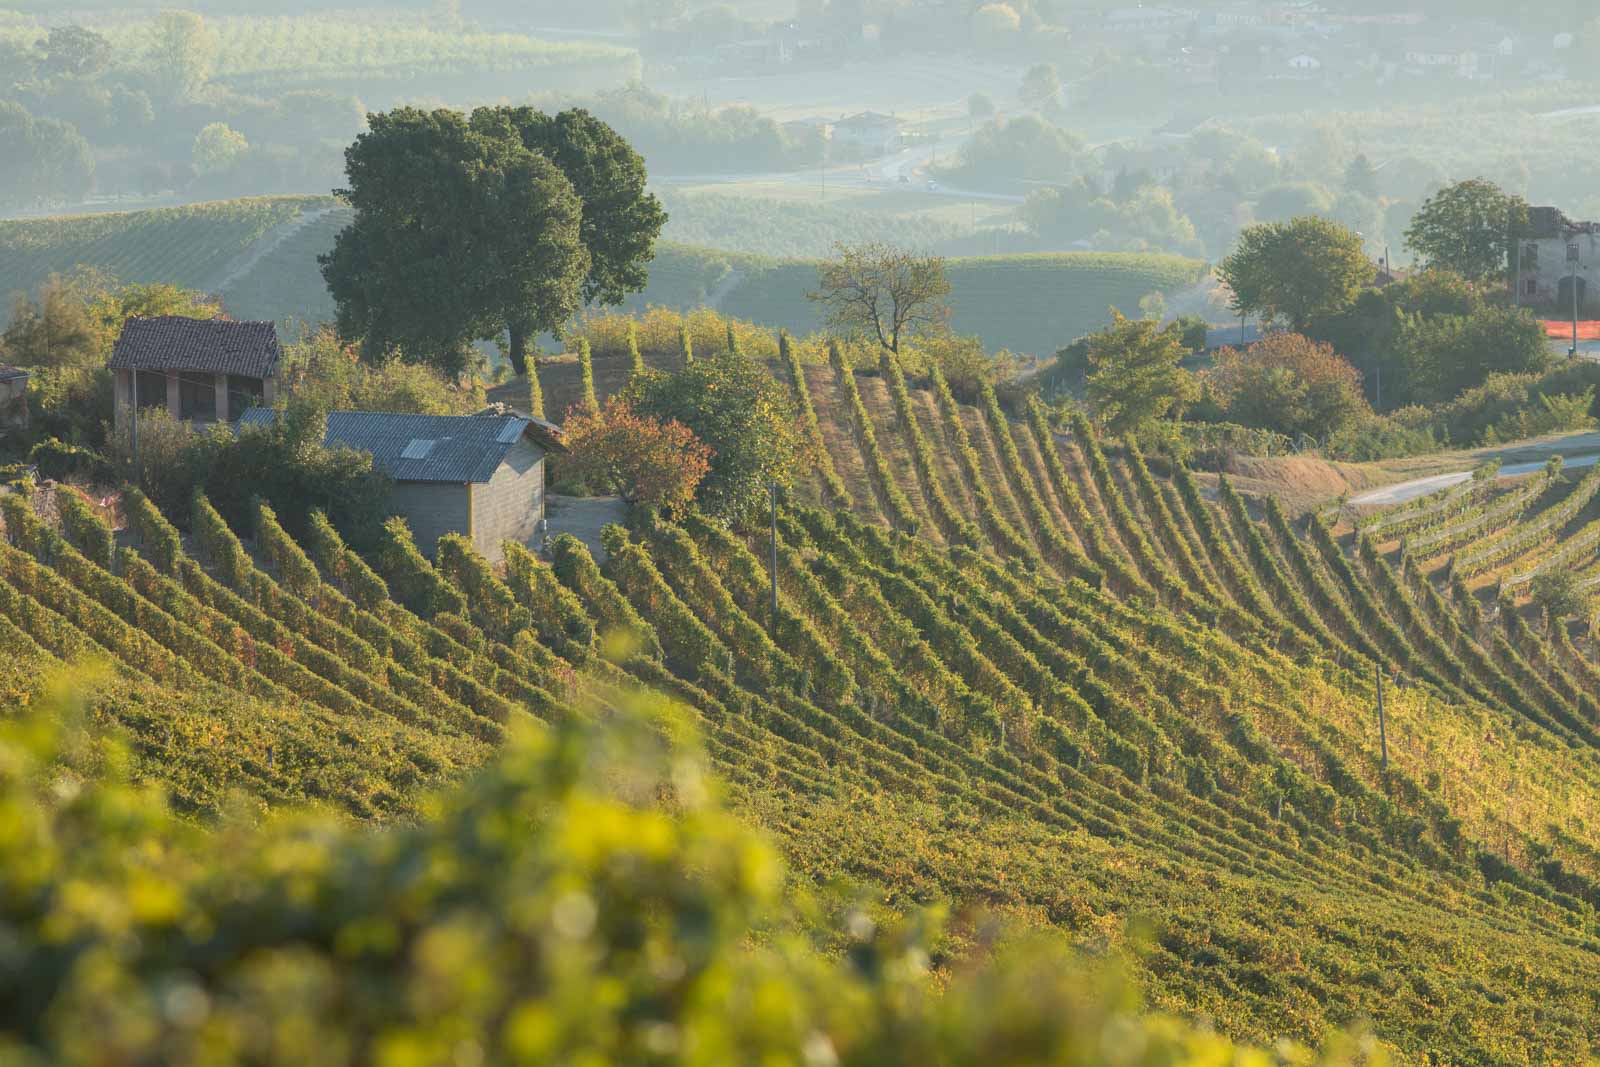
pixel 519 349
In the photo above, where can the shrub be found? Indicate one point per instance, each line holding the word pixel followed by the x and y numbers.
pixel 59 460
pixel 84 527
pixel 653 462
pixel 1290 384
pixel 736 408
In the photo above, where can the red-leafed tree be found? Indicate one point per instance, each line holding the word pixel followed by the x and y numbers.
pixel 655 462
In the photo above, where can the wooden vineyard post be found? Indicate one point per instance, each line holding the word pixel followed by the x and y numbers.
pixel 1383 726
pixel 772 490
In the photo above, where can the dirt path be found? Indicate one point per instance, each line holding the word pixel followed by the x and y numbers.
pixel 583 517
pixel 268 243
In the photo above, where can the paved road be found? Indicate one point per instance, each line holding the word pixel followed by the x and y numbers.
pixel 1399 494
pixel 881 173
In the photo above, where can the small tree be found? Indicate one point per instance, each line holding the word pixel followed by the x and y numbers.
pixel 685 345
pixel 1468 228
pixel 218 147
pixel 646 460
pixel 733 340
pixel 1290 384
pixel 884 293
pixel 1296 271
pixel 1135 373
pixel 1556 593
pixel 56 330
pixel 742 413
pixel 586 398
pixel 182 53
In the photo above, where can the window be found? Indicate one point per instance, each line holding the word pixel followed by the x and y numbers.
pixel 1530 256
pixel 1572 251
pixel 1530 287
pixel 151 389
pixel 244 393
pixel 197 396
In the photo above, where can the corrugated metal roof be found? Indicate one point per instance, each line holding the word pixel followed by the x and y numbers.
pixel 465 448
pixel 9 373
pixel 205 346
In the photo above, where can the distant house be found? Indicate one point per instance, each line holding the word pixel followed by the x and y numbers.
pixel 481 476
pixel 200 370
pixel 1556 254
pixel 13 398
pixel 869 132
pixel 1431 55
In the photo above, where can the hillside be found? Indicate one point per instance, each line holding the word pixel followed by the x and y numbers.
pixel 262 260
pixel 1073 689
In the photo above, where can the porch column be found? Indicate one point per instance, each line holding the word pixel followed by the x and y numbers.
pixel 222 397
pixel 174 402
pixel 124 395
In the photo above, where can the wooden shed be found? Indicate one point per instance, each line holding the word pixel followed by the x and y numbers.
pixel 478 475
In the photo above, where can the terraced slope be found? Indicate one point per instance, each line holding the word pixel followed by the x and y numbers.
pixel 1105 701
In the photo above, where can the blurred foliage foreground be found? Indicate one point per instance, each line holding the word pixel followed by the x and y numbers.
pixel 584 900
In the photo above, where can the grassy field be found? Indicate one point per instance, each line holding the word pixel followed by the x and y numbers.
pixel 1027 303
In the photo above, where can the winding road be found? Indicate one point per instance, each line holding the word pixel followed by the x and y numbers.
pixel 1398 494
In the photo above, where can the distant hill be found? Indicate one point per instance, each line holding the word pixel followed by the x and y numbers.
pixel 259 255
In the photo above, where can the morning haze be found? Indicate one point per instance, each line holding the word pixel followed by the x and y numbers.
pixel 799 532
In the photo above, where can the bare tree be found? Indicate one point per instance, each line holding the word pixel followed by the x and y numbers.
pixel 877 290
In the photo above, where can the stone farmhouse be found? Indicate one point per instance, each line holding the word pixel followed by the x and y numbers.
pixel 13 399
pixel 481 476
pixel 1556 255
pixel 200 370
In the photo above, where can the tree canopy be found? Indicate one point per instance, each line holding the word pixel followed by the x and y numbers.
pixel 1135 373
pixel 648 461
pixel 1467 228
pixel 620 220
pixel 1296 271
pixel 882 293
pixel 458 235
pixel 1288 383
pixel 735 407
pixel 470 228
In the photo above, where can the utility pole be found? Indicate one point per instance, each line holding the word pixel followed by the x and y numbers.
pixel 772 493
pixel 1575 269
pixel 133 423
pixel 1383 726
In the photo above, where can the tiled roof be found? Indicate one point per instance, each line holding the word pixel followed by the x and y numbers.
pixel 206 346
pixel 10 373
pixel 419 448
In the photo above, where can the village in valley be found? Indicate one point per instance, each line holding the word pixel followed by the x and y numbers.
pixel 823 532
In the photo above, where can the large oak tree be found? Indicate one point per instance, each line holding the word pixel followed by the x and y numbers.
pixel 473 228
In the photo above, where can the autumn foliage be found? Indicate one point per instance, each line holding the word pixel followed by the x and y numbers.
pixel 655 462
pixel 1288 383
